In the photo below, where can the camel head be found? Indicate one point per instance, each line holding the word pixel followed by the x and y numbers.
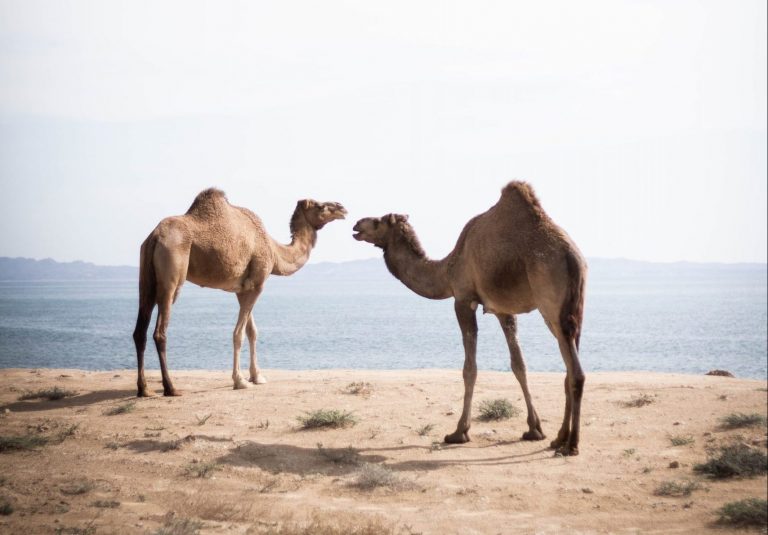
pixel 318 214
pixel 377 230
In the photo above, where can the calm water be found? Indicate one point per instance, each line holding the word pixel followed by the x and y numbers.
pixel 684 321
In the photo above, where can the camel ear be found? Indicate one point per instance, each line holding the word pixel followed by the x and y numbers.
pixel 391 219
pixel 307 203
pixel 404 218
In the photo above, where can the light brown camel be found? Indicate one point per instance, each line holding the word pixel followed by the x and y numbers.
pixel 511 259
pixel 218 245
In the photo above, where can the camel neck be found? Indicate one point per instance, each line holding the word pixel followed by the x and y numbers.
pixel 407 262
pixel 292 257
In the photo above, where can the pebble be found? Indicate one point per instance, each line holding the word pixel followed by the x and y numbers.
pixel 674 464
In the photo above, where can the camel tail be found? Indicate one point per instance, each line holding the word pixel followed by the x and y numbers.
pixel 572 312
pixel 147 293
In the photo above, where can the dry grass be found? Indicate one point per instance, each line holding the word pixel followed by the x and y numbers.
pixel 51 394
pixel 425 430
pixel 638 401
pixel 677 488
pixel 202 470
pixel 372 476
pixel 681 440
pixel 347 455
pixel 180 526
pixel 121 409
pixel 327 523
pixel 497 409
pixel 106 504
pixel 76 488
pixel 206 506
pixel 202 419
pixel 327 418
pixel 359 388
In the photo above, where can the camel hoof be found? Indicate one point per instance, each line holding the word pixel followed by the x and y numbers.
pixel 534 435
pixel 567 451
pixel 260 380
pixel 558 443
pixel 144 394
pixel 241 385
pixel 456 438
pixel 172 392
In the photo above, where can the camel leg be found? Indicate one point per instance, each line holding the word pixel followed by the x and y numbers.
pixel 257 377
pixel 468 324
pixel 246 300
pixel 567 442
pixel 165 299
pixel 509 326
pixel 565 429
pixel 140 340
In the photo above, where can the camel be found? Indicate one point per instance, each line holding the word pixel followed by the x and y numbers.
pixel 511 259
pixel 218 245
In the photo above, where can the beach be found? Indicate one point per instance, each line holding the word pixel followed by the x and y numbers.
pixel 220 460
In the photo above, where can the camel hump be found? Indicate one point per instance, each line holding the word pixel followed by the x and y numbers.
pixel 519 192
pixel 207 201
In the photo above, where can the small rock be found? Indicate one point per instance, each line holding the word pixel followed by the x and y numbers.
pixel 587 490
pixel 7 410
pixel 677 423
pixel 674 464
pixel 720 373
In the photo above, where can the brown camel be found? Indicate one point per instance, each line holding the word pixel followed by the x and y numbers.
pixel 511 259
pixel 218 245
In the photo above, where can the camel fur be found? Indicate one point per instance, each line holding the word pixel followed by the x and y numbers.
pixel 511 259
pixel 218 245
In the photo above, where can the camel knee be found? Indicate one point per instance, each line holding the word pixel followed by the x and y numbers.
pixel 160 339
pixel 251 331
pixel 578 384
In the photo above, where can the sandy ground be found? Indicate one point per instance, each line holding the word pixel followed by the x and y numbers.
pixel 137 472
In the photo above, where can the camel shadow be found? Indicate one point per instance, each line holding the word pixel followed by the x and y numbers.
pixel 146 446
pixel 74 401
pixel 286 458
pixel 282 458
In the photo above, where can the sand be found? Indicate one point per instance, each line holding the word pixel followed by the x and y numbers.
pixel 231 461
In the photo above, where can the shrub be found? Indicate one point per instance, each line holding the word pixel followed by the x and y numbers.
pixel 681 440
pixel 327 418
pixel 497 409
pixel 747 512
pixel 51 394
pixel 734 461
pixel 26 442
pixel 675 488
pixel 737 420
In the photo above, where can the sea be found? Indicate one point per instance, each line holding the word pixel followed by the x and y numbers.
pixel 679 318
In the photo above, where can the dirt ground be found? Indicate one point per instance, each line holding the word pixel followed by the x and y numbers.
pixel 226 461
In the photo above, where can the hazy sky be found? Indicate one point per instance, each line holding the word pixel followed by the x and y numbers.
pixel 641 124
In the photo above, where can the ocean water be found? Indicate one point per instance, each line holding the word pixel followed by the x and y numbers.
pixel 686 320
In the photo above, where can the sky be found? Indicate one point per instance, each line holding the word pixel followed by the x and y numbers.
pixel 641 124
